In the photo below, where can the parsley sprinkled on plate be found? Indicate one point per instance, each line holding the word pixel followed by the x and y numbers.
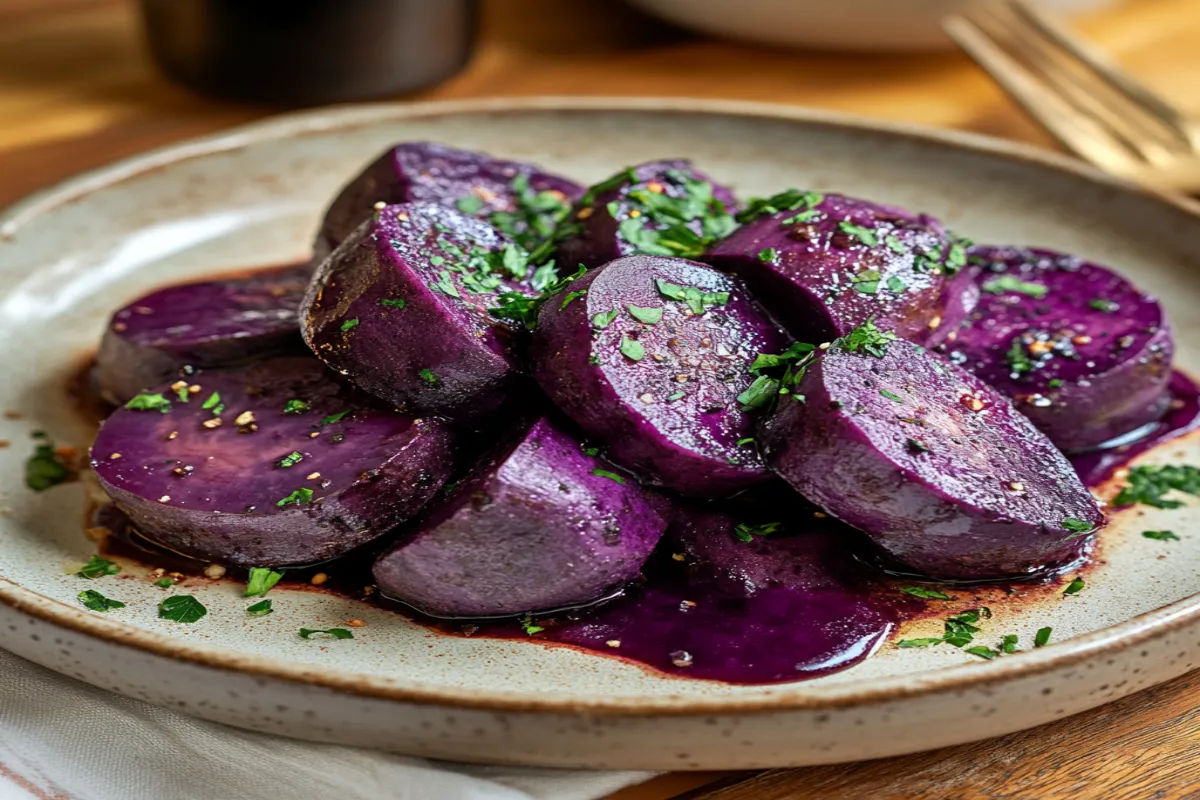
pixel 1148 485
pixel 1043 637
pixel 97 567
pixel 45 467
pixel 181 608
pixel 1162 536
pixel 261 580
pixel 260 609
pixel 1075 587
pixel 331 633
pixel 97 602
pixel 927 594
pixel 867 338
pixel 528 626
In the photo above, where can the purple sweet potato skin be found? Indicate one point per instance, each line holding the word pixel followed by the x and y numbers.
pixel 688 444
pixel 815 285
pixel 423 172
pixel 598 239
pixel 369 471
pixel 1098 370
pixel 533 528
pixel 375 314
pixel 951 479
pixel 219 323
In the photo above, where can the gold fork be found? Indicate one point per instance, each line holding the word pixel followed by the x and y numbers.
pixel 1081 97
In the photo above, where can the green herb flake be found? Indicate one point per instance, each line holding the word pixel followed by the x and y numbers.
pixel 745 532
pixel 650 316
pixel 1148 485
pixel 98 602
pixel 300 497
pixel 349 325
pixel 149 402
pixel 470 204
pixel 1055 383
pixel 1011 283
pixel 671 398
pixel 612 476
pixel 697 300
pixel 212 402
pixel 925 594
pixel 1018 358
pixel 866 282
pixel 165 583
pixel 867 339
pixel 927 642
pixel 1042 638
pixel 759 394
pixel 528 626
pixel 332 418
pixel 896 285
pixel 45 468
pixel 1075 587
pixel 981 651
pixel 1104 306
pixel 393 302
pixel 891 396
pixel 427 375
pixel 1076 525
pixel 295 407
pixel 605 319
pixel 260 609
pixel 632 349
pixel 768 255
pixel 787 200
pixel 181 608
pixel 865 235
pixel 290 460
pixel 746 441
pixel 572 296
pixel 181 391
pixel 332 633
pixel 1161 536
pixel 261 581
pixel 895 245
pixel 1009 643
pixel 97 567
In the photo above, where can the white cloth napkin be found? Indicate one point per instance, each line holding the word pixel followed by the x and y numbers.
pixel 64 740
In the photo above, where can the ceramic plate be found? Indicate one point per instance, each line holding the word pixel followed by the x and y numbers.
pixel 71 255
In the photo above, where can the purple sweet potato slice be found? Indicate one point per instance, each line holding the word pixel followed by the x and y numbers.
pixel 218 323
pixel 661 208
pixel 273 465
pixel 1079 350
pixel 538 525
pixel 401 309
pixel 519 199
pixel 648 355
pixel 825 264
pixel 938 468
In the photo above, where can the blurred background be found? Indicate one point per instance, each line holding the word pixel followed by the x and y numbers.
pixel 79 86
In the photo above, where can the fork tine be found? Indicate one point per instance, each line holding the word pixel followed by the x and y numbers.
pixel 1109 72
pixel 1076 131
pixel 1140 132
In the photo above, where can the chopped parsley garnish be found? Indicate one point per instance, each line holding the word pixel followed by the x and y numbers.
pixel 427 375
pixel 605 319
pixel 1055 383
pixel 981 651
pixel 332 418
pixel 891 396
pixel 866 338
pixel 671 398
pixel 1018 358
pixel 470 204
pixel 956 258
pixel 150 402
pixel 895 245
pixel 926 594
pixel 524 309
pixel 746 441
pixel 213 401
pixel 865 235
pixel 1011 283
pixel 960 630
pixel 528 626
pixel 290 460
pixel 787 200
pixel 650 316
pixel 1042 638
pixel 1009 643
pixel 926 642
pixel 1104 306
pixel 697 300
pixel 867 281
pixel 658 223
pixel 759 393
pixel 534 221
pixel 98 602
pixel 811 215
pixel 261 581
pixel 745 532
pixel 768 255
pixel 1075 587
pixel 1148 485
pixel 632 349
pixel 44 467
pixel 300 497
pixel 543 277
pixel 349 325
pixel 333 633
pixel 181 391
pixel 295 407
pixel 393 302
pixel 165 583
pixel 445 285
pixel 1162 536
pixel 1076 525
pixel 260 609
pixel 776 374
pixel 97 567
pixel 612 476
pixel 896 285
pixel 572 296
pixel 181 608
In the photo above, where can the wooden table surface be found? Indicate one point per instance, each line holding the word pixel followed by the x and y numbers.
pixel 77 91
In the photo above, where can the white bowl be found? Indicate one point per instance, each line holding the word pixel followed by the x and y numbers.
pixel 832 24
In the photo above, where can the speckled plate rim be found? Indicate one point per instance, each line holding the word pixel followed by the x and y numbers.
pixel 1123 636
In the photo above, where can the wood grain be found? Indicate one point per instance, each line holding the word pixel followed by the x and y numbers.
pixel 77 90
